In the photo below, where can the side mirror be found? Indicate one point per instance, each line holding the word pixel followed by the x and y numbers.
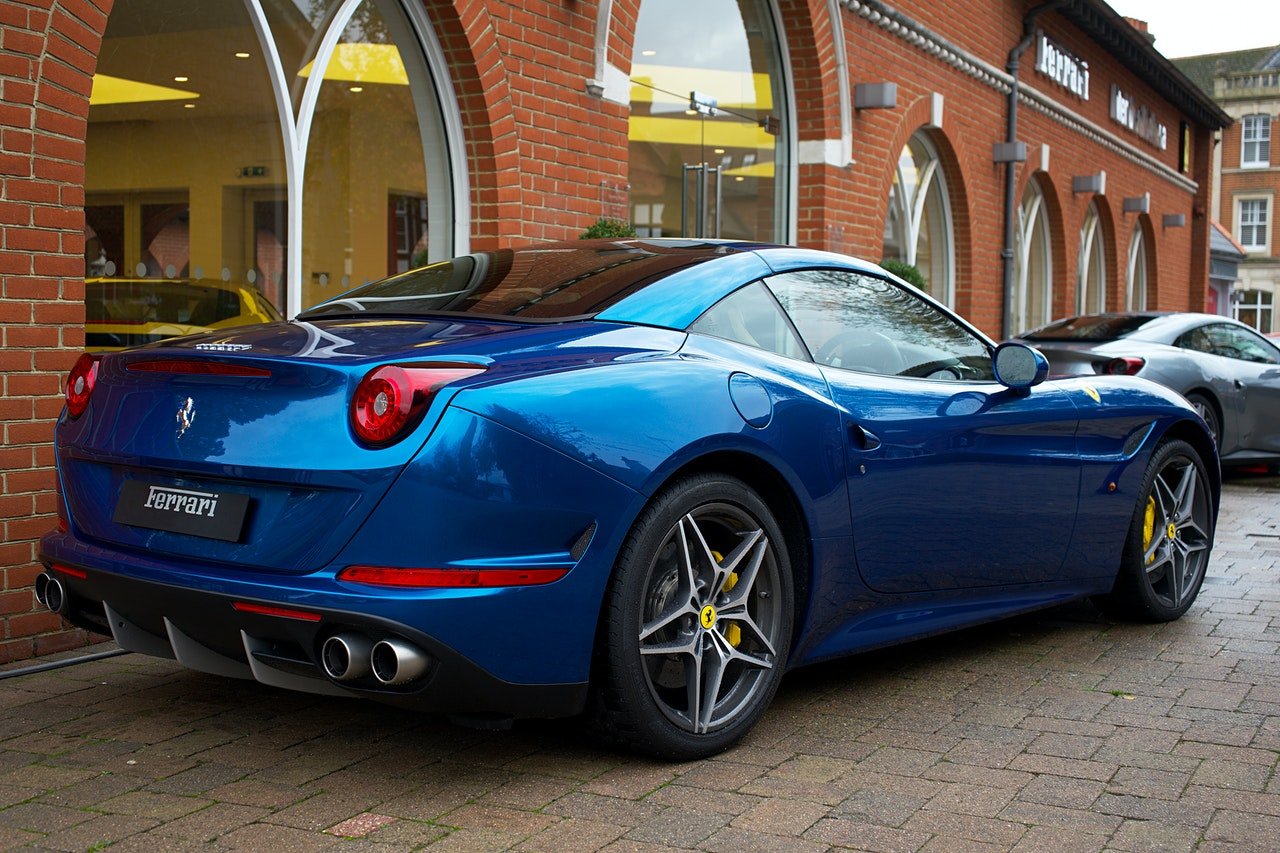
pixel 1019 366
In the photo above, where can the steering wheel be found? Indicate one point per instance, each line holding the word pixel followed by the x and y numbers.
pixel 942 368
pixel 844 348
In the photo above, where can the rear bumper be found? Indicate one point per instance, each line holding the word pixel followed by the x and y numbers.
pixel 203 629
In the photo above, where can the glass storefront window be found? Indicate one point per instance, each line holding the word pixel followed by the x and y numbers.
pixel 1091 268
pixel 216 153
pixel 708 121
pixel 1033 275
pixel 1136 275
pixel 918 228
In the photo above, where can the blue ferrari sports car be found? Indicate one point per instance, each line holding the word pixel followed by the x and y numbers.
pixel 637 480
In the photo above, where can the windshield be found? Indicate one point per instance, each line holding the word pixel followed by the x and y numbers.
pixel 1094 328
pixel 538 283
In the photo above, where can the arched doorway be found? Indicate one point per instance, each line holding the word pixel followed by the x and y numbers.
pixel 709 121
pixel 271 173
pixel 918 229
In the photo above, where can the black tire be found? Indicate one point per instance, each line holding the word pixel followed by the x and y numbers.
pixel 713 618
pixel 1170 537
pixel 1207 410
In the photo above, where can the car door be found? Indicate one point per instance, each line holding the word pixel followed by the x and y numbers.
pixel 1253 365
pixel 954 481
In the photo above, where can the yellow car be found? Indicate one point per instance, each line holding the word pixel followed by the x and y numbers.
pixel 127 312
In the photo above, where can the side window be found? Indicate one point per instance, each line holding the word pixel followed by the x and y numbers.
pixel 1234 342
pixel 751 316
pixel 864 323
pixel 1196 340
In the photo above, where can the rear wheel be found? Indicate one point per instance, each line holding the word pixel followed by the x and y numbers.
pixel 1170 536
pixel 697 622
pixel 1204 408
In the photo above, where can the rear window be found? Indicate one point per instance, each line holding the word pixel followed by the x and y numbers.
pixel 544 284
pixel 1098 327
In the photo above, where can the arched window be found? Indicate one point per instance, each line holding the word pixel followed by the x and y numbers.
pixel 1091 268
pixel 709 124
pixel 1033 258
pixel 1135 298
pixel 217 149
pixel 918 228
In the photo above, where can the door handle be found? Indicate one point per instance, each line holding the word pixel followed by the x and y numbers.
pixel 863 439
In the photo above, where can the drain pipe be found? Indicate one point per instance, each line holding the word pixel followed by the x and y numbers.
pixel 59 664
pixel 1011 165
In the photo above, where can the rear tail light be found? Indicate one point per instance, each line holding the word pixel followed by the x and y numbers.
pixel 449 578
pixel 1124 366
pixel 80 384
pixel 391 400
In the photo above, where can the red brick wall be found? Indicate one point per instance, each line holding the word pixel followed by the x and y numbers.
pixel 47 54
pixel 545 159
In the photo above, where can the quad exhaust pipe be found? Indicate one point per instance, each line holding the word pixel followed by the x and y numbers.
pixel 392 661
pixel 346 656
pixel 50 592
pixel 397 662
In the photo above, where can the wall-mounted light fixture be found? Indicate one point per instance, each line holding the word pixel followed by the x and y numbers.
pixel 1009 152
pixel 701 104
pixel 875 96
pixel 1138 204
pixel 1174 220
pixel 1090 183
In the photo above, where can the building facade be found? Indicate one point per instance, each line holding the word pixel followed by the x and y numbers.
pixel 1030 160
pixel 1246 84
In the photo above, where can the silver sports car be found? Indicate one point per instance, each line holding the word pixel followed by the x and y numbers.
pixel 1229 372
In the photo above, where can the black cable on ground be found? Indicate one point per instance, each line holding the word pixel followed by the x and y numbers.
pixel 59 664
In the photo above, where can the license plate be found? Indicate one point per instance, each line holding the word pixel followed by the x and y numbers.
pixel 178 509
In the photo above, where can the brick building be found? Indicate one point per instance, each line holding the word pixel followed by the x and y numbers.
pixel 156 140
pixel 1246 83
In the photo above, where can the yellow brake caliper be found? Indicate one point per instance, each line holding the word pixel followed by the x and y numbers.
pixel 1149 527
pixel 732 632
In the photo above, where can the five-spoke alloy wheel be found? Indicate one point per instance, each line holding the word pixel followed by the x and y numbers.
pixel 1170 537
pixel 698 621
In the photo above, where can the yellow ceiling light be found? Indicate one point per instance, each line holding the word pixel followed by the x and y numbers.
pixel 117 90
pixel 242 54
pixel 678 130
pixel 181 79
pixel 360 62
pixel 740 90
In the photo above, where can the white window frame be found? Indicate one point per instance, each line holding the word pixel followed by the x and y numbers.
pixel 1092 259
pixel 449 209
pixel 1252 300
pixel 911 214
pixel 1136 272
pixel 1033 221
pixel 1255 224
pixel 1255 138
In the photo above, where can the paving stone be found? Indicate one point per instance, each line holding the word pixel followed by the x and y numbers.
pixel 1057 731
pixel 216 820
pixel 99 831
pixel 733 839
pixel 678 827
pixel 866 836
pixel 780 817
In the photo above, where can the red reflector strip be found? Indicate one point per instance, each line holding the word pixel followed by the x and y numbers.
pixel 67 570
pixel 282 612
pixel 200 368
pixel 450 578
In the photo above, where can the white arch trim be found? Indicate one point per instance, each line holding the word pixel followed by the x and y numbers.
pixel 454 237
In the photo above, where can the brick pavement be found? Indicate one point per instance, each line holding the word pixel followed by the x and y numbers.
pixel 1058 732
